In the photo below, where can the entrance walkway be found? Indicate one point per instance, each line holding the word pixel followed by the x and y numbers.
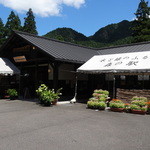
pixel 25 125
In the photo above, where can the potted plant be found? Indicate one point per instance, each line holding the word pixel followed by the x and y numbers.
pixel 48 96
pixel 101 105
pixel 116 105
pixel 90 104
pixel 96 105
pixel 139 98
pixel 55 95
pixel 12 93
pixel 139 105
pixel 137 109
pixel 42 88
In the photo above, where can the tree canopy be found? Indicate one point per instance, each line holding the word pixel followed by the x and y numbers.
pixel 13 23
pixel 30 24
pixel 141 29
pixel 2 32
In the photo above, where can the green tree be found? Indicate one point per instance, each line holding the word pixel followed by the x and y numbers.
pixel 30 24
pixel 13 23
pixel 2 32
pixel 141 29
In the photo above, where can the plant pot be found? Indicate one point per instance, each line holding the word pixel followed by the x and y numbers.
pixel 117 109
pixel 138 112
pixel 101 108
pixel 54 102
pixel 48 104
pixel 12 97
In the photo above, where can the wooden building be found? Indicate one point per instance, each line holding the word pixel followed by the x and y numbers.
pixel 53 62
pixel 43 60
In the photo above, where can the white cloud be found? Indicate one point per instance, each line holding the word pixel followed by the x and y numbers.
pixel 42 8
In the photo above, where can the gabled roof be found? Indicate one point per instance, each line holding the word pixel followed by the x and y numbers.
pixel 62 51
pixel 68 52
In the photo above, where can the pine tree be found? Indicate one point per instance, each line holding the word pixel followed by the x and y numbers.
pixel 141 29
pixel 13 23
pixel 2 31
pixel 30 24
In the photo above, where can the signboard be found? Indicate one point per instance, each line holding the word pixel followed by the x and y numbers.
pixel 20 59
pixel 115 63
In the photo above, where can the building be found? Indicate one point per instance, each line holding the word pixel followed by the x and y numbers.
pixel 44 60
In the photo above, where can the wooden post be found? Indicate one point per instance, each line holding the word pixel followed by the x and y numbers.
pixel 114 87
pixel 36 75
pixel 55 75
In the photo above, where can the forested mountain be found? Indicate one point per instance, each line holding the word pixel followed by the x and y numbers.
pixel 66 34
pixel 113 34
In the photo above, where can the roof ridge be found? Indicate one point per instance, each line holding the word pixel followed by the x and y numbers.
pixel 91 48
pixel 55 40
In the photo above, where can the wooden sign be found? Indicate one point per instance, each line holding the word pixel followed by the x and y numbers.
pixel 20 59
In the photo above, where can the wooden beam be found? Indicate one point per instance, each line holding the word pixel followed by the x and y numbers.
pixel 55 75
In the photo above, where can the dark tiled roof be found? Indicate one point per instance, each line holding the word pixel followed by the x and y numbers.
pixel 137 47
pixel 69 52
pixel 60 50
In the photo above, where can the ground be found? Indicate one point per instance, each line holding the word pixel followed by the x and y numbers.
pixel 25 125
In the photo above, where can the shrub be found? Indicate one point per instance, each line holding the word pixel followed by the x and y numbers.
pixel 103 96
pixel 116 105
pixel 135 107
pixel 90 104
pixel 102 99
pixel 139 103
pixel 93 99
pixel 144 108
pixel 101 92
pixel 96 105
pixel 135 98
pixel 101 105
pixel 12 92
pixel 143 99
pixel 139 98
pixel 41 89
pixel 47 95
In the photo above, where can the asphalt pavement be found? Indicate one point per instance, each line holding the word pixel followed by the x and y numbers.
pixel 25 125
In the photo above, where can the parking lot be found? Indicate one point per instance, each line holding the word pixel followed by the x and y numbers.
pixel 25 125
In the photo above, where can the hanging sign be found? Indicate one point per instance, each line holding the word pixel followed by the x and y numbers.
pixel 20 59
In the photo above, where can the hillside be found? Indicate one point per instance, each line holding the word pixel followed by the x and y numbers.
pixel 66 34
pixel 111 35
pixel 113 32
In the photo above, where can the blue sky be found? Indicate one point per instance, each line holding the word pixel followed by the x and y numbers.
pixel 85 16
